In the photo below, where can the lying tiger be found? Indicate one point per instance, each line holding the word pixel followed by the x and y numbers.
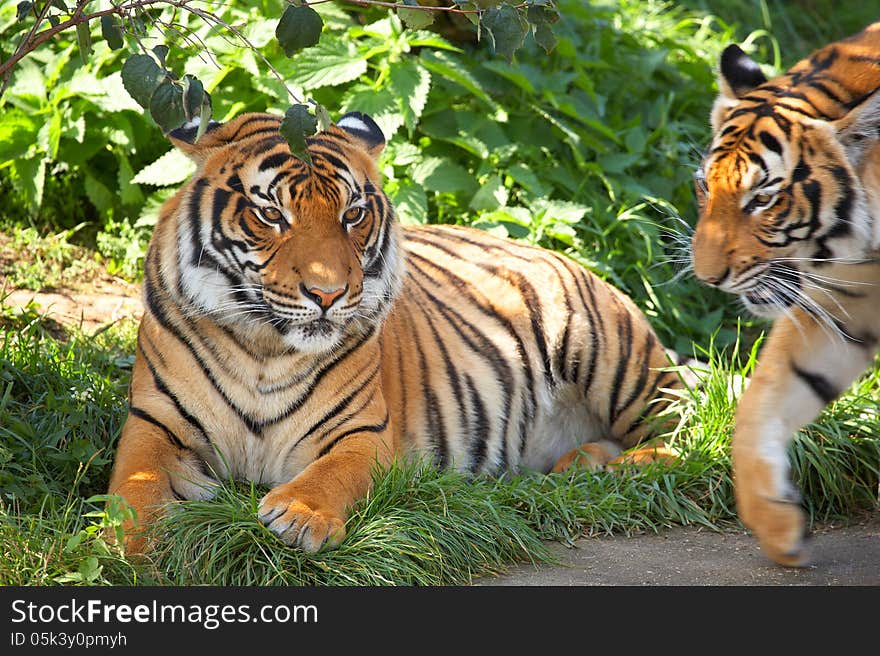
pixel 295 334
pixel 789 195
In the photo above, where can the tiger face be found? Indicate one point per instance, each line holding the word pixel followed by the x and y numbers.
pixel 275 244
pixel 780 192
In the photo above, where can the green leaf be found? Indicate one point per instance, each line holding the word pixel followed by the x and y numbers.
pixel 97 192
pixel 141 76
pixel 170 169
pixel 73 541
pixel 23 9
pixel 443 175
pixel 17 132
pixel 193 96
pixel 448 67
pixel 491 195
pixel 560 210
pixel 111 30
pixel 297 124
pixel 50 134
pixel 84 41
pixel 542 11
pixel 32 175
pixel 507 29
pixel 323 117
pixel 331 63
pixel 299 27
pixel 410 203
pixel 411 83
pixel 161 52
pixel 415 19
pixel 618 162
pixel 129 192
pixel 206 111
pixel 166 106
pixel 115 98
pixel 545 37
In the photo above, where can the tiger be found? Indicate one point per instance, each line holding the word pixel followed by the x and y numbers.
pixel 788 194
pixel 296 335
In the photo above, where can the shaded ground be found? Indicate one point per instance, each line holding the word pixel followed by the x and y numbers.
pixel 692 556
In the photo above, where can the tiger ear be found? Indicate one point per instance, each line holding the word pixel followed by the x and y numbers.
pixel 737 75
pixel 859 131
pixel 365 130
pixel 218 135
pixel 184 138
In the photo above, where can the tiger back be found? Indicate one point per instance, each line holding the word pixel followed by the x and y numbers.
pixel 295 335
pixel 789 196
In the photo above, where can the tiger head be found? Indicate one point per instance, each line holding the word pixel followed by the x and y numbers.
pixel 784 190
pixel 307 252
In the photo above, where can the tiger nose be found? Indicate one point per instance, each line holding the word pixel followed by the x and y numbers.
pixel 322 297
pixel 717 279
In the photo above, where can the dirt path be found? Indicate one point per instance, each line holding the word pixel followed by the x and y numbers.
pixel 89 310
pixel 692 556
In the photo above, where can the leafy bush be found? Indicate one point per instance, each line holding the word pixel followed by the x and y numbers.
pixel 588 149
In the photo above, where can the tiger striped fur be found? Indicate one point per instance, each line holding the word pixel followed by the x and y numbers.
pixel 789 195
pixel 295 334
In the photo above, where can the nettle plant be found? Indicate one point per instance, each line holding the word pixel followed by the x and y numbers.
pixel 172 99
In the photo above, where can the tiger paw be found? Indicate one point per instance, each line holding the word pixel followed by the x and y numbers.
pixel 777 522
pixel 298 524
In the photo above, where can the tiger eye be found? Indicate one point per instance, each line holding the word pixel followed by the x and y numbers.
pixel 762 199
pixel 271 214
pixel 353 215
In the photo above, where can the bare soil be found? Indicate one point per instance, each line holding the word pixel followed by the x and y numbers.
pixel 84 296
pixel 842 555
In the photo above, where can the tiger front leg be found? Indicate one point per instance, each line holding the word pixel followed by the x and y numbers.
pixel 801 370
pixel 153 468
pixel 310 511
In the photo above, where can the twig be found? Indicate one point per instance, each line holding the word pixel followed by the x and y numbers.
pixel 399 5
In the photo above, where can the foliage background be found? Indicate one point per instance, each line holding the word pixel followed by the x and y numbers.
pixel 588 150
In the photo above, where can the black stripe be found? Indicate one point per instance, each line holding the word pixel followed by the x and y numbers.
pixel 372 428
pixel 530 297
pixel 770 142
pixel 662 379
pixel 249 124
pixel 844 205
pixel 451 374
pixel 436 429
pixel 624 330
pixel 479 435
pixel 184 338
pixel 597 330
pixel 163 389
pixel 335 410
pixel 561 357
pixel 821 386
pixel 274 161
pixel 639 388
pixel 147 417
